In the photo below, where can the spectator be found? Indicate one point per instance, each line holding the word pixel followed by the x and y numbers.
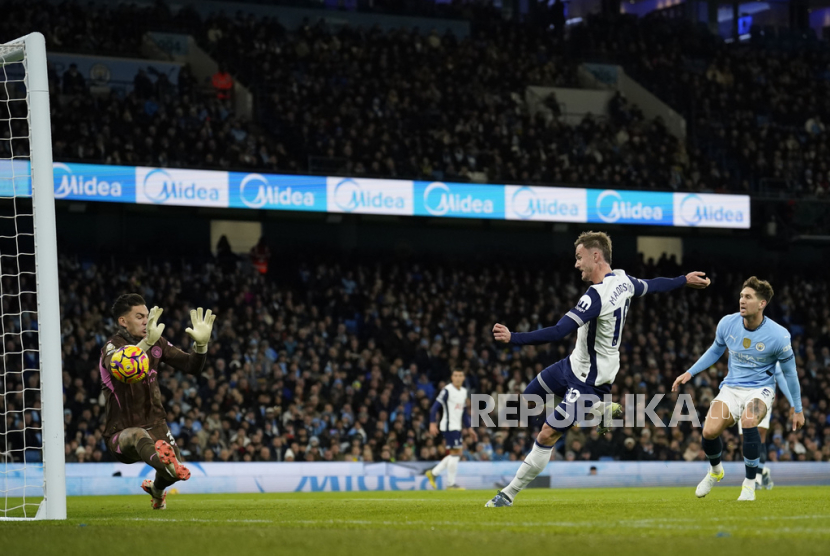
pixel 222 84
pixel 142 86
pixel 260 255
pixel 73 82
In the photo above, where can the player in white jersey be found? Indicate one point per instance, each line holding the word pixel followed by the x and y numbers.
pixel 756 343
pixel 452 404
pixel 763 478
pixel 590 370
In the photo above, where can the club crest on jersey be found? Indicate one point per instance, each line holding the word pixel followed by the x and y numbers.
pixel 747 343
pixel 572 395
pixel 760 346
pixel 584 304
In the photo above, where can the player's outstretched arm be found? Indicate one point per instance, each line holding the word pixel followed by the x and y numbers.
pixel 565 326
pixel 202 327
pixel 694 279
pixel 709 358
pixel 192 363
pixel 154 329
pixel 697 280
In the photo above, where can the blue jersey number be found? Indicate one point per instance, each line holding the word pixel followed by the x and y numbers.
pixel 619 316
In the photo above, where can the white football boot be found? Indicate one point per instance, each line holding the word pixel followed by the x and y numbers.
pixel 766 479
pixel 747 491
pixel 705 486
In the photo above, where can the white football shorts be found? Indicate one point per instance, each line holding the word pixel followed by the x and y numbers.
pixel 736 399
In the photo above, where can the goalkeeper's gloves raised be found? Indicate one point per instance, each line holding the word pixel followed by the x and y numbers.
pixel 202 327
pixel 154 330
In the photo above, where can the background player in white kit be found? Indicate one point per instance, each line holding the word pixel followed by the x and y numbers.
pixel 452 403
pixel 590 370
pixel 756 343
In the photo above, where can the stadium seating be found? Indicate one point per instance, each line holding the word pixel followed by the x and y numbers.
pixel 336 361
pixel 342 361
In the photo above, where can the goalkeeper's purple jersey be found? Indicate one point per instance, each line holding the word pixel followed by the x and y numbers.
pixel 139 404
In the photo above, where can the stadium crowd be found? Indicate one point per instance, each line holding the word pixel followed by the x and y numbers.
pixel 436 107
pixel 158 125
pixel 342 361
pixel 757 108
pixel 402 104
pixel 360 102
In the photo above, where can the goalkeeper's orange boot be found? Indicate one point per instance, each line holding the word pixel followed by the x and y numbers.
pixel 167 456
pixel 159 499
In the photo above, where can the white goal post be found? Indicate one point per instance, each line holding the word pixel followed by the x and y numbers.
pixel 31 410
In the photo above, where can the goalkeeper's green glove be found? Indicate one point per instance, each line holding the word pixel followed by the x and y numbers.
pixel 202 326
pixel 154 330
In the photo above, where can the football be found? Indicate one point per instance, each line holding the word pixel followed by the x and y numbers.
pixel 129 364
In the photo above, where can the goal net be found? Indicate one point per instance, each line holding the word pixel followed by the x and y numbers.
pixel 32 475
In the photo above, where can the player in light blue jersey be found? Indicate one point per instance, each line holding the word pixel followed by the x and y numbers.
pixel 755 344
pixel 763 478
pixel 588 373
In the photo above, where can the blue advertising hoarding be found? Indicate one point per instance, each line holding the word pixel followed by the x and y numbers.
pixel 15 178
pixel 612 206
pixel 94 182
pixel 209 188
pixel 458 200
pixel 277 192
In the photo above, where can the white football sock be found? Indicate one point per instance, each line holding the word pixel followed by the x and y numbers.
pixel 452 469
pixel 716 468
pixel 534 463
pixel 438 469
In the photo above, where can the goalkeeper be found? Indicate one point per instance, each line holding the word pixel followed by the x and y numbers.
pixel 135 428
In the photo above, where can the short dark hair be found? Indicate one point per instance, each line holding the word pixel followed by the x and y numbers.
pixel 125 303
pixel 596 240
pixel 763 289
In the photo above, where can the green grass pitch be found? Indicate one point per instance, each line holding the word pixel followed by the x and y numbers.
pixel 787 521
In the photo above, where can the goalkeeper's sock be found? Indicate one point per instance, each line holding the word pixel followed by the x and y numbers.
pixel 163 480
pixel 452 469
pixel 713 450
pixel 534 464
pixel 147 452
pixel 438 469
pixel 752 451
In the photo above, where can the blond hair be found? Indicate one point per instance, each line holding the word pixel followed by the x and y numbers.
pixel 596 240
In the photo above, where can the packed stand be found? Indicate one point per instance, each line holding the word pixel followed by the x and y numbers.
pixel 365 102
pixel 71 26
pixel 356 102
pixel 154 124
pixel 327 361
pixel 477 10
pixel 756 109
